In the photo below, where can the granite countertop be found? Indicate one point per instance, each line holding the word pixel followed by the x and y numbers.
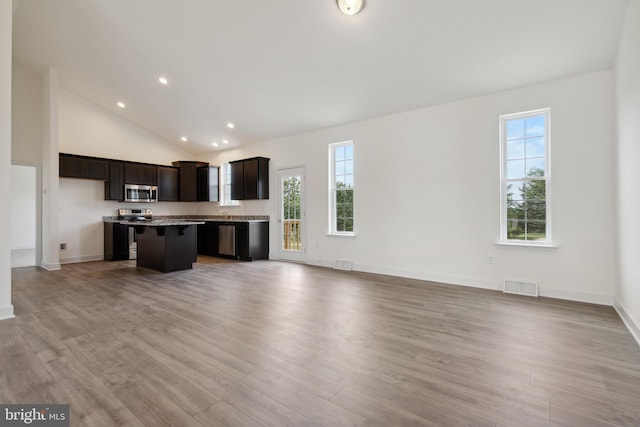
pixel 168 220
pixel 191 219
pixel 221 218
pixel 161 223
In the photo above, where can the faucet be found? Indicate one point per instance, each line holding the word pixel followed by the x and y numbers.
pixel 224 213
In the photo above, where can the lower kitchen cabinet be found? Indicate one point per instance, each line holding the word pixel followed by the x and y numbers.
pixel 252 240
pixel 242 240
pixel 116 241
pixel 208 239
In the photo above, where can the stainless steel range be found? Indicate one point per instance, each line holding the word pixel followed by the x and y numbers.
pixel 134 215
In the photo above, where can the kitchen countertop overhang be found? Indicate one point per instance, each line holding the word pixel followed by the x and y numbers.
pixel 170 220
pixel 160 223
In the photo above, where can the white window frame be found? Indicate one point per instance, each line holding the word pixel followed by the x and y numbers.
pixel 225 186
pixel 546 112
pixel 332 190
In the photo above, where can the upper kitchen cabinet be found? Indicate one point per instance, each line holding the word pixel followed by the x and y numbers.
pixel 208 183
pixel 250 179
pixel 189 179
pixel 73 166
pixel 114 186
pixel 140 174
pixel 168 184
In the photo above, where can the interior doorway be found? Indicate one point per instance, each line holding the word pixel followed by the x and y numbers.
pixel 24 215
pixel 291 242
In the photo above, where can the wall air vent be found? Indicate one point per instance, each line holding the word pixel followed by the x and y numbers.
pixel 521 287
pixel 343 264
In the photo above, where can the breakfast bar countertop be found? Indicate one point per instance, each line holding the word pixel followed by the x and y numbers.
pixel 168 220
pixel 161 222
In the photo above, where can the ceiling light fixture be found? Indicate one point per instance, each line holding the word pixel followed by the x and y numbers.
pixel 230 125
pixel 183 139
pixel 215 144
pixel 121 104
pixel 350 7
pixel 163 80
pixel 224 141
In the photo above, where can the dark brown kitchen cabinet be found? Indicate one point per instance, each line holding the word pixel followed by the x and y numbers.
pixel 250 179
pixel 140 174
pixel 208 238
pixel 244 240
pixel 189 179
pixel 237 180
pixel 168 184
pixel 116 241
pixel 114 186
pixel 208 183
pixel 73 166
pixel 252 240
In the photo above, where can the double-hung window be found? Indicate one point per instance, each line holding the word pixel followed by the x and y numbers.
pixel 341 200
pixel 525 207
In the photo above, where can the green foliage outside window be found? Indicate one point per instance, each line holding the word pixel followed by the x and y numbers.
pixel 526 208
pixel 344 207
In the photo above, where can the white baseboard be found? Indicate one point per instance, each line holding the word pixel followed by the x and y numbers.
pixel 579 296
pixel 632 325
pixel 50 266
pixel 23 257
pixel 474 282
pixel 320 263
pixel 6 312
pixel 430 277
pixel 82 258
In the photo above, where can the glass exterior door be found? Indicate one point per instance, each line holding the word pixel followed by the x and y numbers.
pixel 292 214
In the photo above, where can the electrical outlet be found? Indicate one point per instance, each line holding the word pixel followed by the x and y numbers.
pixel 491 260
pixel 63 246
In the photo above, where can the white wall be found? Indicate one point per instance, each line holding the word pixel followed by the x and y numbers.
pixel 23 207
pixel 26 143
pixel 50 188
pixel 26 116
pixel 427 191
pixel 6 14
pixel 627 72
pixel 90 130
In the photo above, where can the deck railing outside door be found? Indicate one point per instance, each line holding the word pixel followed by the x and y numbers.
pixel 291 230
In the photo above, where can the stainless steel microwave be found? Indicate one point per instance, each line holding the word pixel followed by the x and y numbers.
pixel 140 193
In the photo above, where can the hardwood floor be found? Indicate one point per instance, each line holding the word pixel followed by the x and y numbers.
pixel 273 344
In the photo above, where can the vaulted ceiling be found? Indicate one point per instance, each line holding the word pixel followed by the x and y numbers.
pixel 281 67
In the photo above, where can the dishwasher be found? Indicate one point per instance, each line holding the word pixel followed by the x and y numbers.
pixel 227 239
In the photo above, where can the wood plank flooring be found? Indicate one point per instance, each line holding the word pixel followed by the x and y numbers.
pixel 276 344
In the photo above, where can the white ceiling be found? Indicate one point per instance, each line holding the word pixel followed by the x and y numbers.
pixel 281 67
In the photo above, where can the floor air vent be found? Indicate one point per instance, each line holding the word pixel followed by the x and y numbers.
pixel 521 287
pixel 343 264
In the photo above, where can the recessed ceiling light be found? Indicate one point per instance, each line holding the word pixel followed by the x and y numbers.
pixel 230 125
pixel 121 104
pixel 183 139
pixel 224 141
pixel 163 80
pixel 350 7
pixel 215 144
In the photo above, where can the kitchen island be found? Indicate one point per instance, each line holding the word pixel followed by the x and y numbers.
pixel 241 237
pixel 167 245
